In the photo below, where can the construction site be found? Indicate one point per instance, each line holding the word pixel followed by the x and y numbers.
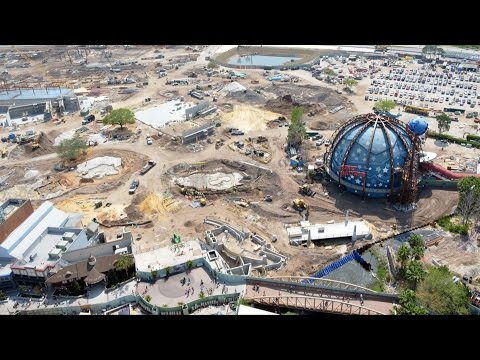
pixel 219 150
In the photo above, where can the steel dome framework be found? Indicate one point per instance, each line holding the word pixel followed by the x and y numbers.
pixel 373 155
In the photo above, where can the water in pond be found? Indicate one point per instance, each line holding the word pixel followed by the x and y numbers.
pixel 261 60
pixel 353 273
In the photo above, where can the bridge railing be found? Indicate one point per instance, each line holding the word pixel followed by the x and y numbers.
pixel 316 304
pixel 332 286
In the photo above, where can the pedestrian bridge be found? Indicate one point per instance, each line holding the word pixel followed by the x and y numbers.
pixel 322 295
pixel 319 304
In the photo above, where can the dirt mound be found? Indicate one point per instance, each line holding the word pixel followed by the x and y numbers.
pixel 320 125
pixel 27 151
pixel 152 206
pixel 248 118
pixel 312 98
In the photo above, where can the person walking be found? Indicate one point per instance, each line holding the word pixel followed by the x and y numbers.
pixel 361 299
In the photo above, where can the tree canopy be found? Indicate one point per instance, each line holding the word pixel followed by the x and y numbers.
pixel 433 50
pixel 119 117
pixel 70 149
pixel 329 72
pixel 410 304
pixel 418 247
pixel 414 272
pixel 403 254
pixel 469 200
pixel 124 263
pixel 385 105
pixel 297 132
pixel 440 295
pixel 350 82
pixel 443 122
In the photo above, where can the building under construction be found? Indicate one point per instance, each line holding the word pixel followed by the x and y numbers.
pixel 19 102
pixel 375 156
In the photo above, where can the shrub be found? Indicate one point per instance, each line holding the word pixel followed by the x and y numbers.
pixel 446 223
pixel 148 298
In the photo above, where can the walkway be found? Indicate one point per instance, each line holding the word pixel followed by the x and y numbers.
pixel 170 291
pixel 302 297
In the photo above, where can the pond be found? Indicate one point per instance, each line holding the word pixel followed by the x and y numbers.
pixel 353 273
pixel 261 60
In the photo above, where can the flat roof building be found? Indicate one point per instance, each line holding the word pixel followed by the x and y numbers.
pixel 32 249
pixel 12 213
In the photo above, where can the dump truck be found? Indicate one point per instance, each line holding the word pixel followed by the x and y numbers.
pixel 146 168
pixel 305 190
pixel 300 204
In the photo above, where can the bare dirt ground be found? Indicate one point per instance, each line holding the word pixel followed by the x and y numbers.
pixel 459 253
pixel 158 199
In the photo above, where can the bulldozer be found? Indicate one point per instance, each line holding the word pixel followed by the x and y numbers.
pixel 35 146
pixel 305 190
pixel 300 204
pixel 4 151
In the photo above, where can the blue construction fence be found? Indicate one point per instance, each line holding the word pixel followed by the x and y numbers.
pixel 354 255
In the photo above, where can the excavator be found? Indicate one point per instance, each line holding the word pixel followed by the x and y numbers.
pixel 300 204
pixel 305 190
pixel 4 151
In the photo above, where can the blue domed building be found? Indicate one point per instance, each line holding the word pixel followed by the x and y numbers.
pixel 368 153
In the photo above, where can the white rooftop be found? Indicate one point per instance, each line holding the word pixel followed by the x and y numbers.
pixel 168 256
pixel 25 235
pixel 327 231
pixel 165 113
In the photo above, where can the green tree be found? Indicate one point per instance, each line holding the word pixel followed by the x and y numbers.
pixel 329 72
pixel 350 82
pixel 414 272
pixel 469 199
pixel 404 253
pixel 409 304
pixel 125 263
pixel 441 295
pixel 75 288
pixel 119 117
pixel 3 296
pixel 148 298
pixel 70 149
pixel 433 50
pixel 418 247
pixel 385 105
pixel 443 122
pixel 296 131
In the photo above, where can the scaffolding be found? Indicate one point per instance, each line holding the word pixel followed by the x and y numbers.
pixel 408 192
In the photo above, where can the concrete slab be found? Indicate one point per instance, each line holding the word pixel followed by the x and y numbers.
pixel 161 115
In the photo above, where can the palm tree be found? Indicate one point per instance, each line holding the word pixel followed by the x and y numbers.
pixel 403 254
pixel 415 272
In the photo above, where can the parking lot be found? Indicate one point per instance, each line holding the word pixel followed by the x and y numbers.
pixel 420 85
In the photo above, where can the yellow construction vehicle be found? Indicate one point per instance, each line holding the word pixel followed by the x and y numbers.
pixel 300 204
pixel 203 201
pixel 305 190
pixel 35 146
pixel 4 151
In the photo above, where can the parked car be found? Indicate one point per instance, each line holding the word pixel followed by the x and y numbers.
pixel 149 141
pixel 88 119
pixel 133 186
